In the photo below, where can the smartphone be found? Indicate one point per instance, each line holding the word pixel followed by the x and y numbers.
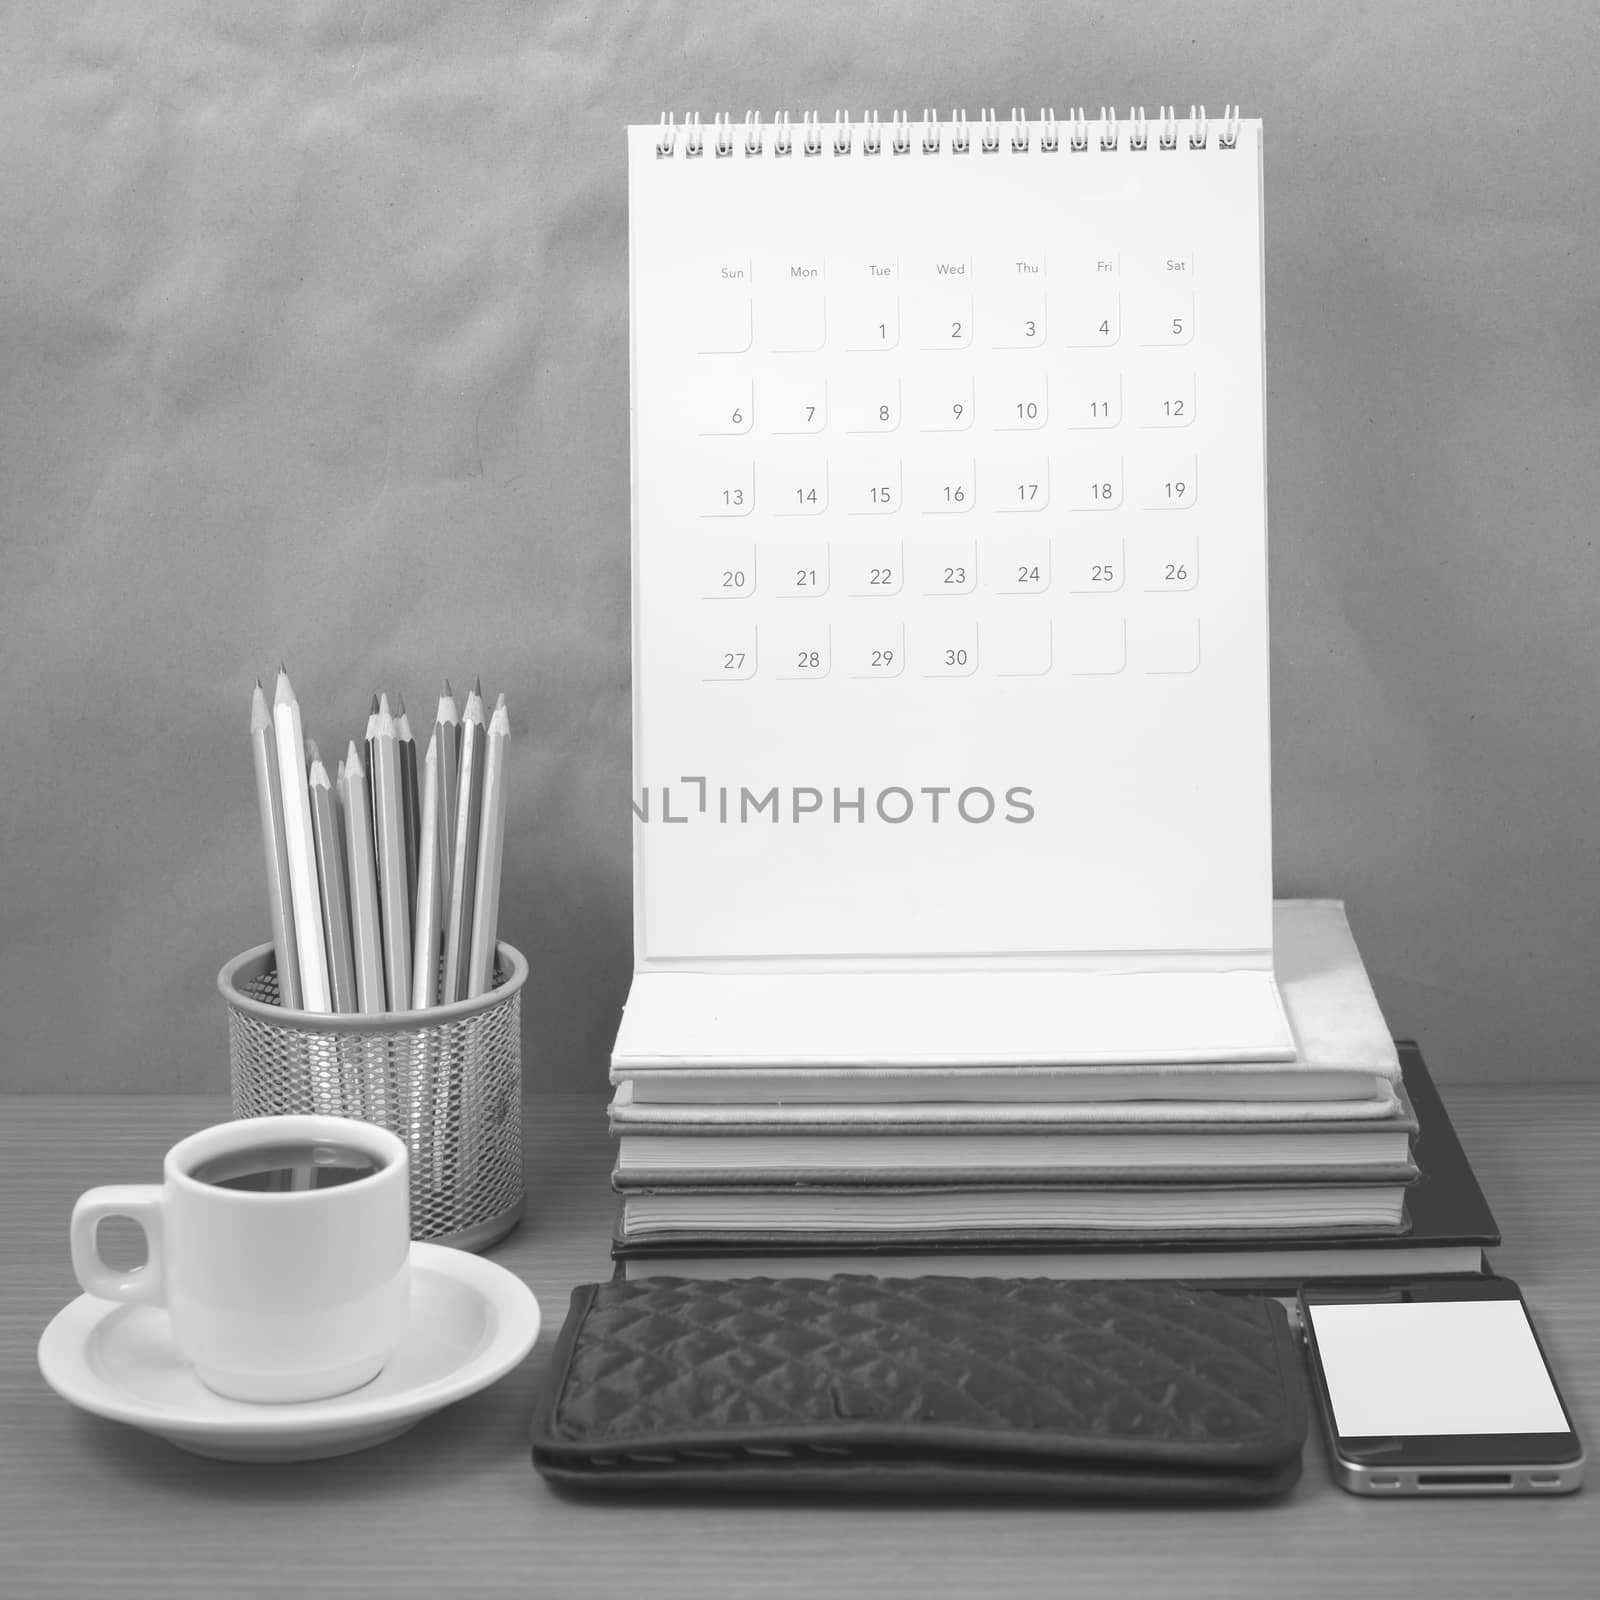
pixel 1438 1387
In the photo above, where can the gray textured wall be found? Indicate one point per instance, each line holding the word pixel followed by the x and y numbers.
pixel 312 346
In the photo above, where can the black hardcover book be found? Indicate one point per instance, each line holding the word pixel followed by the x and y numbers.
pixel 1444 1204
pixel 1449 1225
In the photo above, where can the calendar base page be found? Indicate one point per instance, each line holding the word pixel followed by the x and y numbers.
pixel 950 620
pixel 801 1020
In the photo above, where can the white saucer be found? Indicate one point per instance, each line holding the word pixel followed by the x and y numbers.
pixel 471 1323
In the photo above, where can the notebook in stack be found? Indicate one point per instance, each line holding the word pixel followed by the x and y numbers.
pixel 950 709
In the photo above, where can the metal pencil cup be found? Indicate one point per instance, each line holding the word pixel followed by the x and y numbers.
pixel 447 1080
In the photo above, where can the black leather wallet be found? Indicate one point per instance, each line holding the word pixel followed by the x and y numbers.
pixel 917 1385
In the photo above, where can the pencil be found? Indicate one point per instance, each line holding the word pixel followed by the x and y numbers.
pixel 425 940
pixel 365 926
pixel 450 719
pixel 331 879
pixel 302 852
pixel 386 810
pixel 280 896
pixel 410 818
pixel 491 848
pixel 464 855
pixel 447 729
pixel 371 772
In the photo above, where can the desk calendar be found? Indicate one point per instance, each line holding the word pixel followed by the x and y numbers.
pixel 949 585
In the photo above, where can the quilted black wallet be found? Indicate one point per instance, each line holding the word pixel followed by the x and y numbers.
pixel 917 1385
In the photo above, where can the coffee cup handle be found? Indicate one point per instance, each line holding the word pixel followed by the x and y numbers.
pixel 141 1202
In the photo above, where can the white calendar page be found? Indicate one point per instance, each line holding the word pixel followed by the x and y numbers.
pixel 949 554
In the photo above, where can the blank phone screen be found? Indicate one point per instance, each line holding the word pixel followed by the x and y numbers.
pixel 1435 1367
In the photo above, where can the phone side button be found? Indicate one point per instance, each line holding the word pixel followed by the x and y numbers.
pixel 1545 1480
pixel 1382 1481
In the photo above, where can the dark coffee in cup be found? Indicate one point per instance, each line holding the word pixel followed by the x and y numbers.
pixel 287 1168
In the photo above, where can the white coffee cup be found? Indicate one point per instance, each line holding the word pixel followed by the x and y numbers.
pixel 273 1296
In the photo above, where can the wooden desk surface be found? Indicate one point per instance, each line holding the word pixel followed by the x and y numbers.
pixel 90 1507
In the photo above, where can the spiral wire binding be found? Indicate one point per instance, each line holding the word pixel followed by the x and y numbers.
pixel 692 136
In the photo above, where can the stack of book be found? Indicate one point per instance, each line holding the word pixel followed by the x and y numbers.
pixel 1339 1164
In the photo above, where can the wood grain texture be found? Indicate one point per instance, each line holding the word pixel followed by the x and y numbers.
pixel 90 1507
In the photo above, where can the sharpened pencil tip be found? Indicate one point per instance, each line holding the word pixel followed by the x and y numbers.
pixel 352 761
pixel 399 704
pixel 383 705
pixel 312 753
pixel 449 693
pixel 477 687
pixel 319 775
pixel 260 717
pixel 284 694
pixel 374 710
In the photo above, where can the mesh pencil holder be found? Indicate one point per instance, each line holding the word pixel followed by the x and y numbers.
pixel 448 1080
